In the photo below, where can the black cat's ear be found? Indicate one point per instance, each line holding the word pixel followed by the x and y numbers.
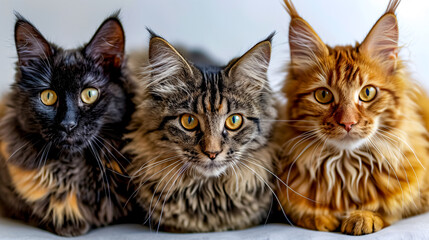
pixel 107 46
pixel 29 42
pixel 381 43
pixel 169 70
pixel 250 70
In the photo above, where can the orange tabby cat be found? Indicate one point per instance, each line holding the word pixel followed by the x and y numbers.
pixel 354 135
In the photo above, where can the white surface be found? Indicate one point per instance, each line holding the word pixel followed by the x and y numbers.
pixel 412 228
pixel 226 29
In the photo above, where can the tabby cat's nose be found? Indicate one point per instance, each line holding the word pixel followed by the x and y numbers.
pixel 212 155
pixel 348 125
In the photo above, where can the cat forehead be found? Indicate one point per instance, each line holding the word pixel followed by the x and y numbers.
pixel 69 58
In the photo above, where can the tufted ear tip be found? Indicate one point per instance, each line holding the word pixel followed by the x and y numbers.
pixel 30 43
pixel 108 43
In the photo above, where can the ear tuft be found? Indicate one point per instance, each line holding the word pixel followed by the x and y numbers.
pixel 107 46
pixel 30 43
pixel 381 43
pixel 306 47
pixel 169 70
pixel 250 70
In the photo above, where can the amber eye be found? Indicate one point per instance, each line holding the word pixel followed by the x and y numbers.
pixel 367 93
pixel 323 95
pixel 89 95
pixel 48 97
pixel 188 121
pixel 234 122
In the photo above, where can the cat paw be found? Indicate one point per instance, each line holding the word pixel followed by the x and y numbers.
pixel 362 222
pixel 72 229
pixel 325 223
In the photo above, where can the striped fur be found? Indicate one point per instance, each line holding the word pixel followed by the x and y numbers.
pixel 374 175
pixel 180 187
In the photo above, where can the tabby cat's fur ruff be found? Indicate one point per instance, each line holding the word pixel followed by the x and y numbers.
pixel 209 178
pixel 361 157
pixel 60 169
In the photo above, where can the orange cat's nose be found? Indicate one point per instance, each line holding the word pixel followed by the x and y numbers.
pixel 347 125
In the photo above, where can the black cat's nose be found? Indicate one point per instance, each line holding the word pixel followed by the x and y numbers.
pixel 212 155
pixel 68 126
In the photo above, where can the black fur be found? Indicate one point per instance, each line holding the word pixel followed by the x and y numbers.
pixel 85 162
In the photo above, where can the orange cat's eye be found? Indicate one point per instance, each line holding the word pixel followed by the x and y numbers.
pixel 234 122
pixel 323 95
pixel 188 121
pixel 48 97
pixel 367 93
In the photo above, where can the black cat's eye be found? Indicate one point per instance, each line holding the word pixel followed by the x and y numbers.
pixel 89 95
pixel 189 121
pixel 367 93
pixel 48 97
pixel 323 95
pixel 234 122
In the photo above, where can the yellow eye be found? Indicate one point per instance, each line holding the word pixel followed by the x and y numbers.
pixel 234 122
pixel 367 93
pixel 323 96
pixel 188 121
pixel 48 97
pixel 89 95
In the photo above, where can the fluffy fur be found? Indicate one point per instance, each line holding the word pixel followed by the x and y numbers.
pixel 180 187
pixel 362 164
pixel 60 167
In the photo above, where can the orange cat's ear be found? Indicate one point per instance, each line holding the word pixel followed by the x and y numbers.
pixel 381 43
pixel 306 47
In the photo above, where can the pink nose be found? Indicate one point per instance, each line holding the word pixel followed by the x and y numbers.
pixel 348 125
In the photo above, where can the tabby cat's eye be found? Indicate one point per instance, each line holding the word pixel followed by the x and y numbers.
pixel 188 121
pixel 234 122
pixel 89 95
pixel 323 95
pixel 367 93
pixel 48 97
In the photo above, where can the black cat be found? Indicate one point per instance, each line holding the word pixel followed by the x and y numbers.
pixel 61 129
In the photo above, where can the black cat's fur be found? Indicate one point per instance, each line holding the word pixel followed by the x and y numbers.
pixel 61 178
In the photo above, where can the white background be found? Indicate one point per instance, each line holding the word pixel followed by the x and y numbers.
pixel 223 28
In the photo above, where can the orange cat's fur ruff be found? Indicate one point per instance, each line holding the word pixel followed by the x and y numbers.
pixel 356 190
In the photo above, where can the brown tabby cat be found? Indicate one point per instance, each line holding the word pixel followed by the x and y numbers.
pixel 354 138
pixel 200 141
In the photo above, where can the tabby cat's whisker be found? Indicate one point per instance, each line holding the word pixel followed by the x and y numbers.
pixel 272 191
pixel 183 169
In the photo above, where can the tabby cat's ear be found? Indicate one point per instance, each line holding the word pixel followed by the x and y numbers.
pixel 169 70
pixel 381 43
pixel 165 60
pixel 107 46
pixel 250 70
pixel 29 42
pixel 306 47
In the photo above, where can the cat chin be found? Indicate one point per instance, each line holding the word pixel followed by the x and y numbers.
pixel 210 170
pixel 346 144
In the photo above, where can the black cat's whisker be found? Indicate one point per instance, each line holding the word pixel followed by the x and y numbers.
pixel 99 138
pixel 103 172
pixel 272 191
pixel 116 159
